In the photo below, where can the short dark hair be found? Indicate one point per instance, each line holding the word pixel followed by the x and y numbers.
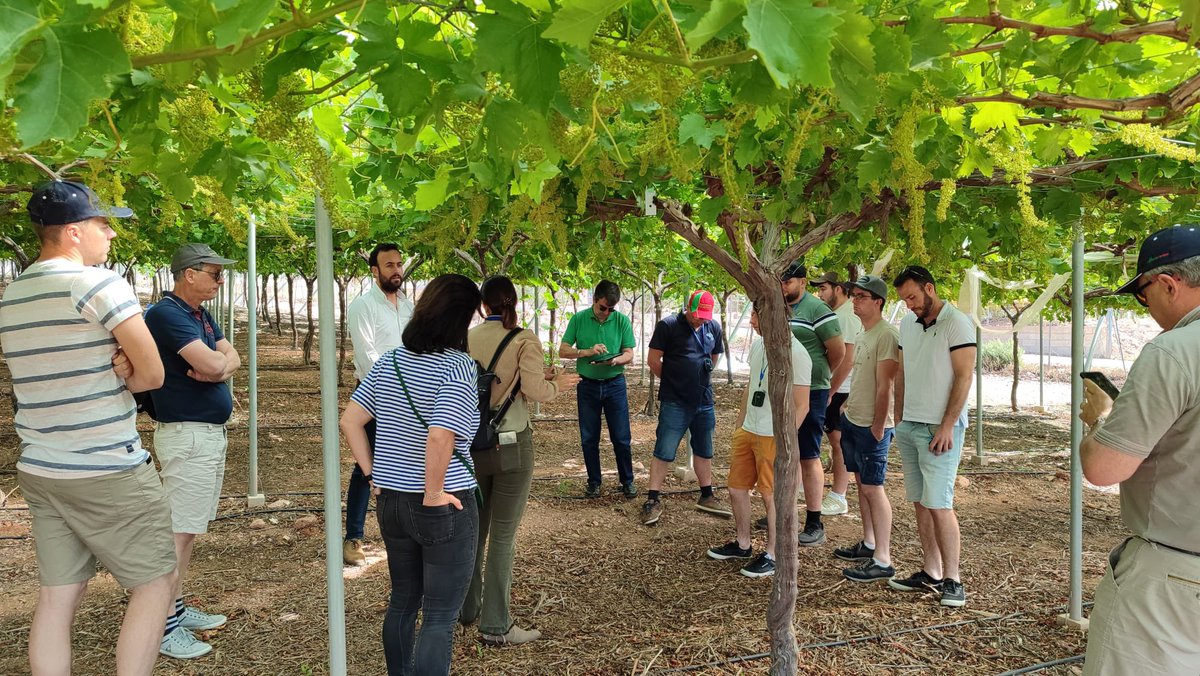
pixel 607 290
pixel 373 259
pixel 914 273
pixel 500 296
pixel 442 316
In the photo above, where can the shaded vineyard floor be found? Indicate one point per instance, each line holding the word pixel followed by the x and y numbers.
pixel 609 595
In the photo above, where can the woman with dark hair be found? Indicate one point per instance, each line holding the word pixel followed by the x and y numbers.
pixel 423 400
pixel 506 472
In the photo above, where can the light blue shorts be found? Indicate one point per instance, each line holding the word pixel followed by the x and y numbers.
pixel 928 478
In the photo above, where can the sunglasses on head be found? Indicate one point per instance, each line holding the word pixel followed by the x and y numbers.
pixel 917 273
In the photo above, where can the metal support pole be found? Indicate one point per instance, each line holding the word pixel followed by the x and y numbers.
pixel 1087 362
pixel 254 498
pixel 1075 614
pixel 537 331
pixel 1042 363
pixel 1120 348
pixel 231 283
pixel 327 331
pixel 979 459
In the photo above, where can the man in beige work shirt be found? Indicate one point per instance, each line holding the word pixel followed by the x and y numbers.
pixel 1147 615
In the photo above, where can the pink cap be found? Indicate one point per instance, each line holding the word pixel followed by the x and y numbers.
pixel 701 304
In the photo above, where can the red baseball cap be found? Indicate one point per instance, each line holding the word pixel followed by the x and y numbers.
pixel 701 304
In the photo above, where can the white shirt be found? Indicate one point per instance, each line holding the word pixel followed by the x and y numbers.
pixel 375 326
pixel 928 373
pixel 758 418
pixel 851 330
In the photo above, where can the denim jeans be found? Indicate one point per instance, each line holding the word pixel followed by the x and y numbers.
pixel 674 420
pixel 358 494
pixel 431 555
pixel 609 397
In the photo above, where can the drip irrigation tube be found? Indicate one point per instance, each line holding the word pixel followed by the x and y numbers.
pixel 862 639
pixel 1044 665
pixel 238 515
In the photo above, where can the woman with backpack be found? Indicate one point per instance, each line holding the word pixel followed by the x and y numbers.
pixel 423 399
pixel 505 471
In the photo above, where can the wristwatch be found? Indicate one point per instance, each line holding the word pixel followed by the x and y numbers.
pixel 1099 421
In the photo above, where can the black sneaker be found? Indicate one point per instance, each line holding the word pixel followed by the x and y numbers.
pixel 859 552
pixel 729 550
pixel 919 581
pixel 761 566
pixel 953 594
pixel 869 571
pixel 652 511
pixel 629 490
pixel 812 536
pixel 761 524
pixel 593 491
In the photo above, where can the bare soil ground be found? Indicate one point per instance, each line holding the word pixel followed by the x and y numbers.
pixel 609 595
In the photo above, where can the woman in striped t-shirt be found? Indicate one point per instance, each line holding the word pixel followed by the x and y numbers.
pixel 423 399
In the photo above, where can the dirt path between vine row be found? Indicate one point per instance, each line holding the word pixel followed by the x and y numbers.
pixel 609 595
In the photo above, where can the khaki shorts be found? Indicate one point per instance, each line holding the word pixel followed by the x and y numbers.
pixel 191 456
pixel 121 520
pixel 751 462
pixel 1147 615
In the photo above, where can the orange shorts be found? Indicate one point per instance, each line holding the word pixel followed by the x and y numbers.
pixel 751 462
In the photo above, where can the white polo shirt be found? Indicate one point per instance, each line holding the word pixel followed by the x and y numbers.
pixel 758 418
pixel 851 329
pixel 928 374
pixel 375 327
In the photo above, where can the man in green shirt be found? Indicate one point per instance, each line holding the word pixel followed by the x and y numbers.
pixel 600 339
pixel 818 330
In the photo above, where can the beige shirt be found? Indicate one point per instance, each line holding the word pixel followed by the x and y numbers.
pixel 522 356
pixel 875 345
pixel 1157 417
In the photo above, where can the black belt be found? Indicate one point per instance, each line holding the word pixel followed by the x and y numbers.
pixel 601 381
pixel 1174 549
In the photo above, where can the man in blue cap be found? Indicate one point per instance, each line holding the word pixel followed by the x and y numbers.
pixel 1148 603
pixel 77 346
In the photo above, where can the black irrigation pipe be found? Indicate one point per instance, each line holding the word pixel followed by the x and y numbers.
pixel 238 515
pixel 864 639
pixel 584 497
pixel 1044 665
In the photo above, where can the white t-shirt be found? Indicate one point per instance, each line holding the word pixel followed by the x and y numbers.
pixel 928 373
pixel 851 330
pixel 758 418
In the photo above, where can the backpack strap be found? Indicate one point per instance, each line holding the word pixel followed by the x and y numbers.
pixel 500 348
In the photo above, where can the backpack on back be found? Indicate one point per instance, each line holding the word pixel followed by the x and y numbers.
pixel 487 436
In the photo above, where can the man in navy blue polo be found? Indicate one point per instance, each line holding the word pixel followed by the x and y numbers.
pixel 192 408
pixel 684 350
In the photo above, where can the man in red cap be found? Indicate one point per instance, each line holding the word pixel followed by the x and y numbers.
pixel 684 350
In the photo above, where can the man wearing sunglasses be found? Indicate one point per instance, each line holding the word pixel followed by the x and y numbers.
pixel 600 340
pixel 191 408
pixel 1148 603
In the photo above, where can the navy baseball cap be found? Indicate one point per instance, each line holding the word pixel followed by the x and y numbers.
pixel 1169 245
pixel 63 202
pixel 795 271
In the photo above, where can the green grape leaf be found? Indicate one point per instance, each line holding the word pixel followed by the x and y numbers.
pixel 576 21
pixel 241 20
pixel 72 71
pixel 927 37
pixel 513 48
pixel 536 5
pixel 853 66
pixel 748 152
pixel 995 115
pixel 1061 205
pixel 876 163
pixel 794 39
pixel 17 25
pixel 1048 144
pixel 404 89
pixel 432 193
pixel 530 181
pixel 720 14
pixel 97 4
pixel 693 127
pixel 1189 16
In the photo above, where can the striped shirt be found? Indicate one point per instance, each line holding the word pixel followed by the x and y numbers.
pixel 442 387
pixel 813 323
pixel 76 419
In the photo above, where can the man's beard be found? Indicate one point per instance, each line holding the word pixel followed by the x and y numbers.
pixel 389 285
pixel 926 308
pixel 790 297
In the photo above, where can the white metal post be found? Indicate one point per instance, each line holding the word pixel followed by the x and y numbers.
pixel 327 331
pixel 979 459
pixel 1074 616
pixel 254 498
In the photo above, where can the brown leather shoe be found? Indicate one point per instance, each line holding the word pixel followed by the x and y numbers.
pixel 352 553
pixel 714 506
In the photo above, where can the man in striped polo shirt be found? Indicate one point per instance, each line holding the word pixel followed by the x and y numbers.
pixel 76 344
pixel 191 408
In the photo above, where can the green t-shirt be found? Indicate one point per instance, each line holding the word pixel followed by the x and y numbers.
pixel 584 331
pixel 813 323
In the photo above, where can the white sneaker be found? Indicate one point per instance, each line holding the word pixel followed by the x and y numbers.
pixel 833 505
pixel 198 620
pixel 183 645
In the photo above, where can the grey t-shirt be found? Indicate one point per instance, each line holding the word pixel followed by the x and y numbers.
pixel 1157 417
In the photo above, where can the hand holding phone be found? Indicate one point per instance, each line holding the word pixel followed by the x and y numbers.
pixel 1102 382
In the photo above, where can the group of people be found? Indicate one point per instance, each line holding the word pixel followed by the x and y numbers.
pixel 449 505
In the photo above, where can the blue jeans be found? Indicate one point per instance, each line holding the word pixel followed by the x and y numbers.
pixel 431 556
pixel 609 397
pixel 358 493
pixel 673 420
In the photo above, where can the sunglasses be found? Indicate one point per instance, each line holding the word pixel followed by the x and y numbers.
pixel 917 273
pixel 217 276
pixel 604 308
pixel 860 296
pixel 1139 294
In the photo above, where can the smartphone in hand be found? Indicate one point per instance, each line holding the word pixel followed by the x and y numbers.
pixel 1102 381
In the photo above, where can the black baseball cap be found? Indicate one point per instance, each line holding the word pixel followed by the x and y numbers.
pixel 794 271
pixel 1169 245
pixel 62 202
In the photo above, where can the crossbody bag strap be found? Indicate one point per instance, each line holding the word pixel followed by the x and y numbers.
pixel 457 454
